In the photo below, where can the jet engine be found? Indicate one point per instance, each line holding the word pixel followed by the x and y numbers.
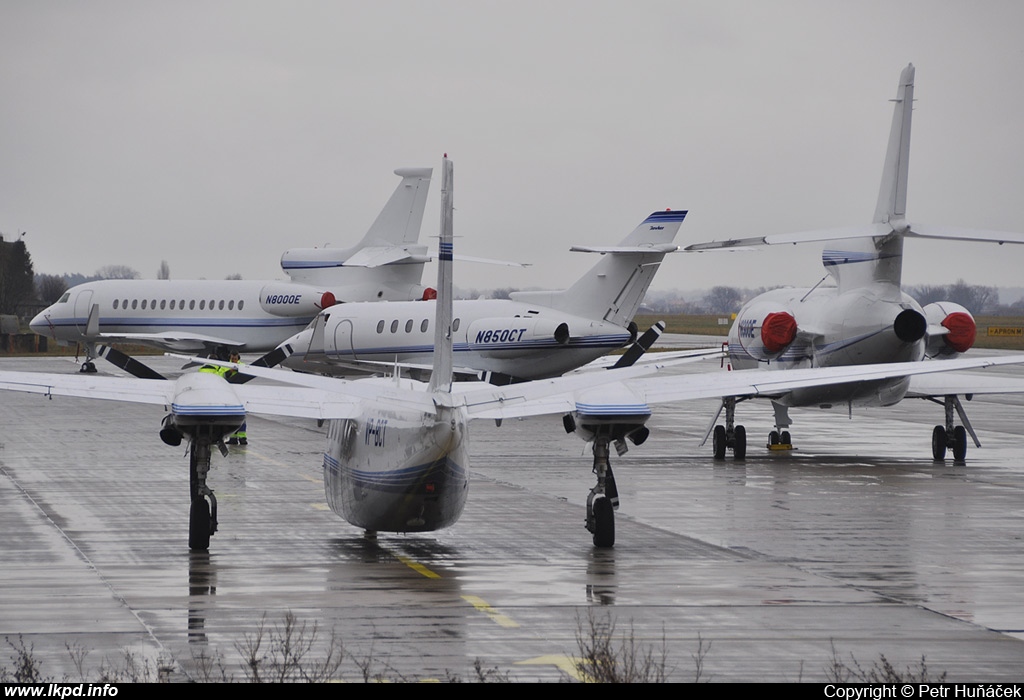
pixel 502 337
pixel 960 329
pixel 288 299
pixel 765 330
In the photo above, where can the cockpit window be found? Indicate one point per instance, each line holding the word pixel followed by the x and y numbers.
pixel 64 297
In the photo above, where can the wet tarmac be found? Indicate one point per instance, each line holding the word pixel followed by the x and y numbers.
pixel 857 541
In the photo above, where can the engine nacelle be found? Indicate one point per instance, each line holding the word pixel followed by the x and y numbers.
pixel 959 324
pixel 765 330
pixel 507 337
pixel 289 299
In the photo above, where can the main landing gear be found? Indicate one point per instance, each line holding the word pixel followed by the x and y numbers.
pixel 202 516
pixel 603 499
pixel 950 436
pixel 729 436
pixel 88 366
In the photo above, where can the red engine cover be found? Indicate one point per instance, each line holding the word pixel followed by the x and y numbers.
pixel 779 329
pixel 327 300
pixel 962 331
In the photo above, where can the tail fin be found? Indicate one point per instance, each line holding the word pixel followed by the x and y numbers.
pixel 392 238
pixel 880 259
pixel 441 376
pixel 399 221
pixel 613 289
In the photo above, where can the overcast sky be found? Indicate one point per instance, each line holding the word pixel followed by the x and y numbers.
pixel 215 135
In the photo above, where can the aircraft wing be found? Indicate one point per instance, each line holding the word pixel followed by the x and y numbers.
pixel 962 383
pixel 89 386
pixel 555 395
pixel 181 342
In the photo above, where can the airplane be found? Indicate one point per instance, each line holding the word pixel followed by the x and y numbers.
pixel 865 318
pixel 530 336
pixel 249 315
pixel 397 454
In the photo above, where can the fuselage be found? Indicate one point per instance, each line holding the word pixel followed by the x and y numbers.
pixel 855 327
pixel 520 340
pixel 187 315
pixel 394 470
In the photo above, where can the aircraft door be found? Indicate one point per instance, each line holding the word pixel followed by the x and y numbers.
pixel 83 304
pixel 343 345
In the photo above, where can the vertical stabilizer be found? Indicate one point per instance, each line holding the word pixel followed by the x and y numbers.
pixel 441 376
pixel 613 289
pixel 399 221
pixel 892 196
pixel 861 262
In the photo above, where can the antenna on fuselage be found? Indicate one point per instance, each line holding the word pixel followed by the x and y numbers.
pixel 441 376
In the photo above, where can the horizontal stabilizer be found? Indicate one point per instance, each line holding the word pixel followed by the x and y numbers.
pixel 379 255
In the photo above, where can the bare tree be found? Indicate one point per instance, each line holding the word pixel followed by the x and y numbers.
pixel 117 272
pixel 49 288
pixel 164 273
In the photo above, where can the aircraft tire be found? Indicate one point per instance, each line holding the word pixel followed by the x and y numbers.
pixel 939 443
pixel 959 443
pixel 785 438
pixel 773 438
pixel 739 447
pixel 604 523
pixel 718 442
pixel 199 525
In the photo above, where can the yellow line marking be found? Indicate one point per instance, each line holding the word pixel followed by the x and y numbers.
pixel 321 506
pixel 565 664
pixel 484 607
pixel 417 567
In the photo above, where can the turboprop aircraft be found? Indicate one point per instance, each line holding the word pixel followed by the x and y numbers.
pixel 530 336
pixel 249 315
pixel 397 455
pixel 864 318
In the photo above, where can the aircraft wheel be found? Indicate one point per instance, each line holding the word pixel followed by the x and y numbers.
pixel 739 447
pixel 959 443
pixel 604 523
pixel 785 438
pixel 199 525
pixel 88 368
pixel 718 442
pixel 773 438
pixel 939 443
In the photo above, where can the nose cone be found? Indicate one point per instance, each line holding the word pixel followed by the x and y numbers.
pixel 41 324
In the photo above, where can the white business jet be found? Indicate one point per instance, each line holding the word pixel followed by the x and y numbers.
pixel 530 336
pixel 865 318
pixel 248 315
pixel 397 454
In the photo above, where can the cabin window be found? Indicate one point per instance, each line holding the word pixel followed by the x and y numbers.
pixel 231 305
pixel 124 303
pixel 394 326
pixel 380 326
pixel 163 304
pixel 181 304
pixel 202 305
pixel 191 304
pixel 455 325
pixel 220 306
pixel 135 303
pixel 152 304
pixel 212 301
pixel 115 302
pixel 172 304
pixel 408 326
pixel 423 326
pixel 241 303
pixel 143 304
